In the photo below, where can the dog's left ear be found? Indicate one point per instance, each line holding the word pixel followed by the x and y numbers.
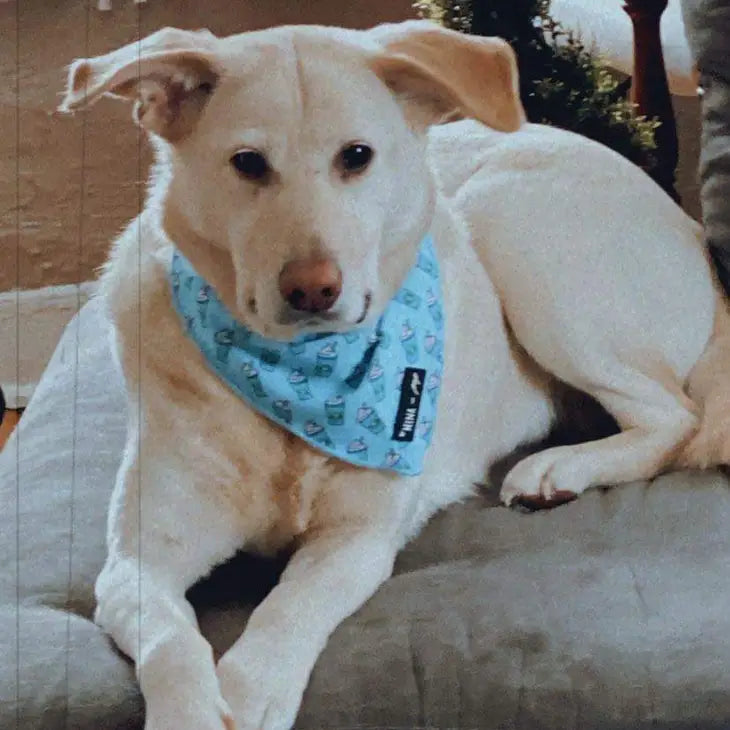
pixel 439 72
pixel 169 74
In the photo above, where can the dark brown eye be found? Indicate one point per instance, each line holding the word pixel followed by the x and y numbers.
pixel 355 158
pixel 251 164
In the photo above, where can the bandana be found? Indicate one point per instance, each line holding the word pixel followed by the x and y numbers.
pixel 367 396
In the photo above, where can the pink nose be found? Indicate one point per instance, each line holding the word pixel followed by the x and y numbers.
pixel 310 285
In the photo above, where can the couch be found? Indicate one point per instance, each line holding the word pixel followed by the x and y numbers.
pixel 610 612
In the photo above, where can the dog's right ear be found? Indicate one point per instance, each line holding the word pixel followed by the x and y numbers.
pixel 170 74
pixel 438 73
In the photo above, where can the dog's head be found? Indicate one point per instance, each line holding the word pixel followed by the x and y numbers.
pixel 293 164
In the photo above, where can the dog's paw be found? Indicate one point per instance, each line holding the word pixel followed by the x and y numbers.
pixel 541 481
pixel 181 689
pixel 262 696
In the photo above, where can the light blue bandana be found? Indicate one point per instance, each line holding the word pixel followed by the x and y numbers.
pixel 367 396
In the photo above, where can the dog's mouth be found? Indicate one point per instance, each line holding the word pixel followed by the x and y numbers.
pixel 309 320
pixel 366 307
pixel 306 319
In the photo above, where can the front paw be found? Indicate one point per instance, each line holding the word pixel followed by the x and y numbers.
pixel 263 694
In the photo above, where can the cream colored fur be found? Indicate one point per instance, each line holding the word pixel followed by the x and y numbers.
pixel 601 278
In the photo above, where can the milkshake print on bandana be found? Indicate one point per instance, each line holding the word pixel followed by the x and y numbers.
pixel 367 396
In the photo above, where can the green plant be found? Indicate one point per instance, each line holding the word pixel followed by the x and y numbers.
pixel 562 82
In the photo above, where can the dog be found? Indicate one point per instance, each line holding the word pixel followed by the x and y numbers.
pixel 302 175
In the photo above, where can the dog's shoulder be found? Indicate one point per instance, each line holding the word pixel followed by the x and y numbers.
pixel 134 284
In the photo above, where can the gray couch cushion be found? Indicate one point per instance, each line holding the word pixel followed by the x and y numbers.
pixel 610 612
pixel 56 663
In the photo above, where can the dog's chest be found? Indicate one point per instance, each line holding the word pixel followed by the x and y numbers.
pixel 261 480
pixel 262 477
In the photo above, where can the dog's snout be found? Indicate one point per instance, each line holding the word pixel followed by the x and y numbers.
pixel 310 285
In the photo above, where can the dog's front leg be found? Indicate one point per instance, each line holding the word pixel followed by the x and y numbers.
pixel 150 620
pixel 141 596
pixel 264 675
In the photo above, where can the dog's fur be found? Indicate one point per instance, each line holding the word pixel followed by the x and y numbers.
pixel 601 279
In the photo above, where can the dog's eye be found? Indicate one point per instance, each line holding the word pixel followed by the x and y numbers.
pixel 251 164
pixel 355 158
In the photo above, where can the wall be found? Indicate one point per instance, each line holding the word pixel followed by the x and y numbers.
pixel 688 114
pixel 64 237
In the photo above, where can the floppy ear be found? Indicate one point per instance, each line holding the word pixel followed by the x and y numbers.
pixel 170 74
pixel 440 73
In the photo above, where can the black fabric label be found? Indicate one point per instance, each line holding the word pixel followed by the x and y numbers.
pixel 404 428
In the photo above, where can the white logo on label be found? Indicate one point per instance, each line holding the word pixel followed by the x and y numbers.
pixel 409 422
pixel 416 384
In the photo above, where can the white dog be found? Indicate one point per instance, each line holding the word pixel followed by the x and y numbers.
pixel 298 183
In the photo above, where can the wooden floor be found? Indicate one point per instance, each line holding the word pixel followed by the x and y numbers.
pixel 6 428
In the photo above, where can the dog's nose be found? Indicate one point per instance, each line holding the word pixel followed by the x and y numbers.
pixel 310 285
